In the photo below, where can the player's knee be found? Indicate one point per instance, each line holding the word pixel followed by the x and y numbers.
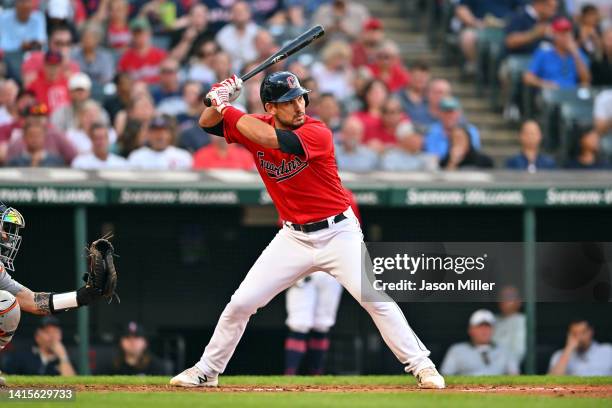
pixel 376 307
pixel 240 308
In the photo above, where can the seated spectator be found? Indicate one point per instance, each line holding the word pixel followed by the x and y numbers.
pixel 22 28
pixel 601 64
pixel 8 96
pixel 438 134
pixel 461 153
pixel 588 33
pixel 602 112
pixel 140 108
pixel 351 154
pixel 91 112
pixel 408 155
pixel 382 135
pixel 238 37
pixel 561 66
pixel 582 355
pixel 99 157
pixel 60 41
pixel 388 66
pixel 530 158
pixel 200 64
pixel 79 88
pixel 56 142
pixel 334 74
pixel 525 31
pixel 364 49
pixel 48 356
pixel 188 38
pixel 437 90
pixel 221 155
pixel 265 47
pixel 342 19
pixel 160 154
pixel 372 97
pixel 123 93
pixel 588 156
pixel 475 15
pixel 51 81
pixel 479 356
pixel 142 59
pixel 133 357
pixel 118 33
pixel 167 93
pixel 35 153
pixel 329 112
pixel 413 96
pixel 510 325
pixel 527 28
pixel 95 61
pixel 221 66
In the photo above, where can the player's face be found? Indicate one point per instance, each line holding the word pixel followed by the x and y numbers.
pixel 289 115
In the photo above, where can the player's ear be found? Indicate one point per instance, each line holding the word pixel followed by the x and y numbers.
pixel 270 107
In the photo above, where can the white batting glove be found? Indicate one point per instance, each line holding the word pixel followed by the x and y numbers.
pixel 234 85
pixel 219 97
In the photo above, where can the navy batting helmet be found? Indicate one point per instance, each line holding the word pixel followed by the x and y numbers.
pixel 281 86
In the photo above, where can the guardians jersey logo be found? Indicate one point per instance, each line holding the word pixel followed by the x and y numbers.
pixel 283 171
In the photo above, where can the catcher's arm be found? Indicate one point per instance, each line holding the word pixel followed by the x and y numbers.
pixel 100 282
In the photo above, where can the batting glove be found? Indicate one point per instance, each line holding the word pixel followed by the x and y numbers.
pixel 234 85
pixel 219 97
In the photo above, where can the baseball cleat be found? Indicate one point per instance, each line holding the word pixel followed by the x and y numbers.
pixel 194 377
pixel 430 378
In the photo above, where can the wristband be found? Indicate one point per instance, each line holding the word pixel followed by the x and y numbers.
pixel 60 302
pixel 231 115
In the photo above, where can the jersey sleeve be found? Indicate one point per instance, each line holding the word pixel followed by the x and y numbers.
pixel 7 283
pixel 316 139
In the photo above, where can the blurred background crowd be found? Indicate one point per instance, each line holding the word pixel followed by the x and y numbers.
pixel 119 83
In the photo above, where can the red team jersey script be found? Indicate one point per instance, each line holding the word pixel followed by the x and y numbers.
pixel 303 188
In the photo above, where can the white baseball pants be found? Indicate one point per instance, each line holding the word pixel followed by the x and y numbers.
pixel 293 255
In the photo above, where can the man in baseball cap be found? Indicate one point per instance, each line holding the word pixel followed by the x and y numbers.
pixel 479 356
pixel 134 357
pixel 563 65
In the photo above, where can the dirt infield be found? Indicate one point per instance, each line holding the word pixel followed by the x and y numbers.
pixel 600 391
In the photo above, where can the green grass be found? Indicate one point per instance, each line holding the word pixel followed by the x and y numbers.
pixel 320 380
pixel 298 399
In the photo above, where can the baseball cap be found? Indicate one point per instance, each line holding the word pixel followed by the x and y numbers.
pixel 372 24
pixel 53 57
pixel 133 329
pixel 48 321
pixel 561 24
pixel 449 104
pixel 79 80
pixel 160 122
pixel 482 316
pixel 140 24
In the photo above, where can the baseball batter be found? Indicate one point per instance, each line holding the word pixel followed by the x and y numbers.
pixel 295 158
pixel 312 304
pixel 14 297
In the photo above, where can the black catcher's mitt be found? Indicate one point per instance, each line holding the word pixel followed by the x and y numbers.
pixel 101 281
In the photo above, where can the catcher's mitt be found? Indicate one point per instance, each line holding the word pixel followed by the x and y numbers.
pixel 101 281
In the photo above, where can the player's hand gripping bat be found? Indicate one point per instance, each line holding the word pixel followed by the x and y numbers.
pixel 289 49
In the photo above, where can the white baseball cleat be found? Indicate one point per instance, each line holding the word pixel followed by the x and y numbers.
pixel 430 378
pixel 194 377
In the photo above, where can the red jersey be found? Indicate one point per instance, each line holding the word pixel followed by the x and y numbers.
pixel 142 67
pixel 53 94
pixel 304 188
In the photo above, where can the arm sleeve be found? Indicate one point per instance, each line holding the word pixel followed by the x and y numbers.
pixel 289 142
pixel 9 284
pixel 316 139
pixel 216 130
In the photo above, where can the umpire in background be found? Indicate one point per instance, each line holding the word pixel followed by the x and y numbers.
pixel 133 357
pixel 47 356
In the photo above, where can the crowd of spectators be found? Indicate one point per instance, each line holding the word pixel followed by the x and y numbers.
pixel 119 83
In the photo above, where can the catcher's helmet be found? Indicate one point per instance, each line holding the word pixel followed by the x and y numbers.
pixel 11 222
pixel 281 86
